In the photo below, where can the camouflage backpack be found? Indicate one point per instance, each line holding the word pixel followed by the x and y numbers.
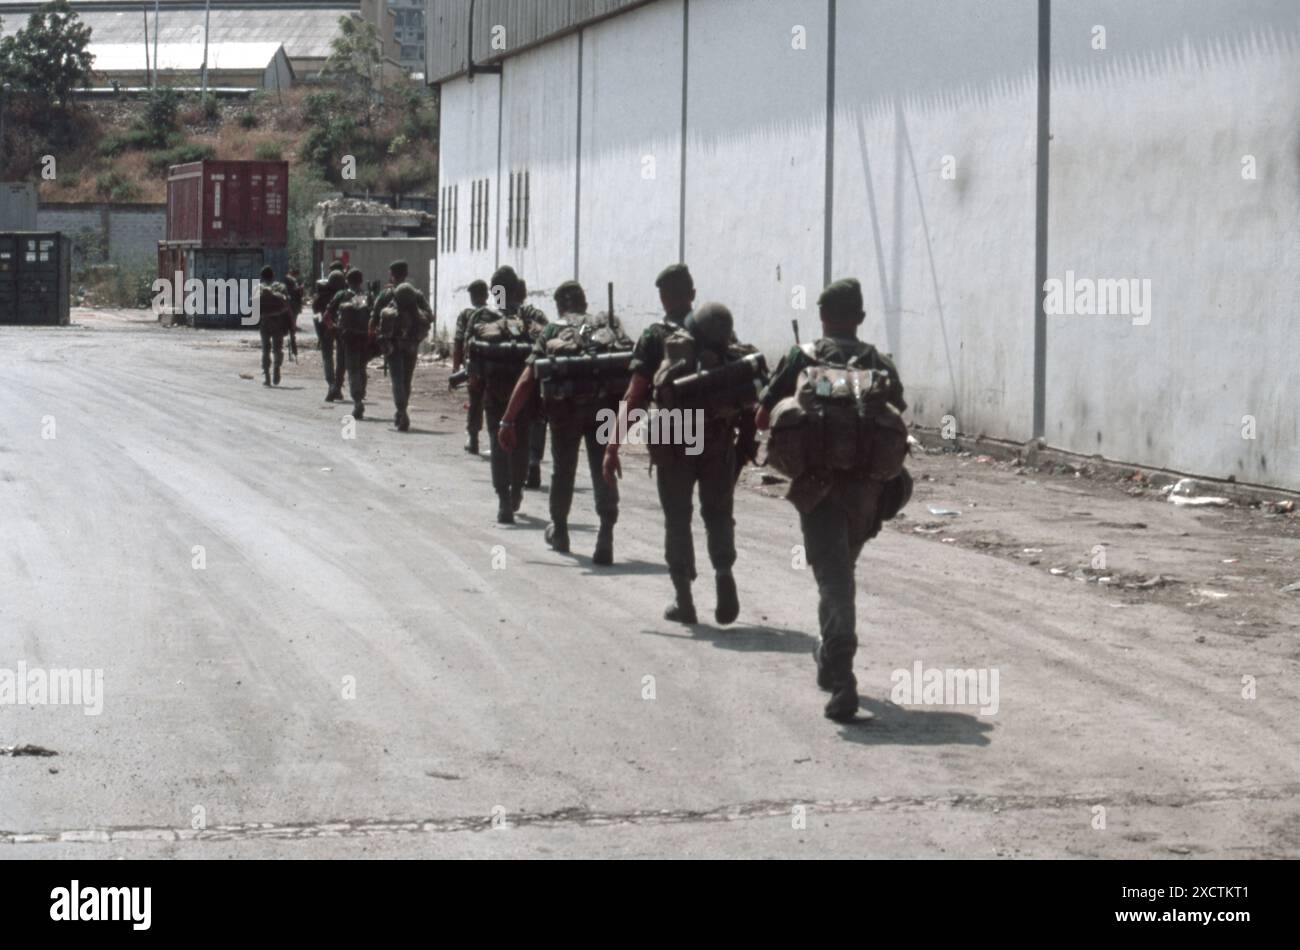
pixel 274 307
pixel 354 315
pixel 585 362
pixel 499 345
pixel 839 419
pixel 404 322
pixel 704 367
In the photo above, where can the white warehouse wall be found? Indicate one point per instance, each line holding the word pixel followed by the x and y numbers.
pixel 755 161
pixel 468 151
pixel 1146 157
pixel 946 263
pixel 539 135
pixel 1145 182
pixel 631 158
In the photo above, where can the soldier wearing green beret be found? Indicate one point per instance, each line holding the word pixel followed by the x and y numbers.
pixel 838 511
pixel 520 323
pixel 678 473
pixel 478 298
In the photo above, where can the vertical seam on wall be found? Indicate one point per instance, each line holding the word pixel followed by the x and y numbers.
pixel 577 164
pixel 686 59
pixel 501 108
pixel 1040 215
pixel 829 213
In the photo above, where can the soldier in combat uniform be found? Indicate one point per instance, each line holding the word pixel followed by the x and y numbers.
pixel 678 473
pixel 401 320
pixel 275 314
pixel 839 511
pixel 509 468
pixel 355 341
pixel 573 424
pixel 478 298
pixel 331 346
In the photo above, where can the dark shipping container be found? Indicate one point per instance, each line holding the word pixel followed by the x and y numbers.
pixel 35 277
pixel 228 204
pixel 218 264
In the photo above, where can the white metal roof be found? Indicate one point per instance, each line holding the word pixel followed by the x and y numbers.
pixel 130 57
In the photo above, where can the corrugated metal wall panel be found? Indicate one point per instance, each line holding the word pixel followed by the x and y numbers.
pixel 526 22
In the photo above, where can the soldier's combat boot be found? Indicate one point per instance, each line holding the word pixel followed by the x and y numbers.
pixel 516 498
pixel 358 411
pixel 534 476
pixel 276 378
pixel 505 511
pixel 266 377
pixel 843 704
pixel 604 553
pixel 728 608
pixel 471 443
pixel 403 422
pixel 557 536
pixel 681 610
pixel 334 395
pixel 824 680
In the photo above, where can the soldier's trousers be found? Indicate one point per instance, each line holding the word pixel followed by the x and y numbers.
pixel 567 440
pixel 537 440
pixel 678 474
pixel 331 354
pixel 401 370
pixel 833 535
pixel 474 415
pixel 272 342
pixel 354 359
pixel 509 470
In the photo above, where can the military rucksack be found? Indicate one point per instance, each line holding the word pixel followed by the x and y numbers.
pixel 274 308
pixel 354 315
pixel 585 362
pixel 499 345
pixel 721 380
pixel 839 419
pixel 403 322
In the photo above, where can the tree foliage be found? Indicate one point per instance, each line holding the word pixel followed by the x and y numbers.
pixel 48 57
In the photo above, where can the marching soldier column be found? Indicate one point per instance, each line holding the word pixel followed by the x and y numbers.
pixel 833 409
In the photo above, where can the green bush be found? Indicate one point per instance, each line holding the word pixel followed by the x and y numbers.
pixel 269 152
pixel 179 155
pixel 133 139
pixel 248 120
pixel 159 118
pixel 211 108
pixel 114 186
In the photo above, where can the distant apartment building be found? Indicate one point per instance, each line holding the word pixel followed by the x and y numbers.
pixel 408 31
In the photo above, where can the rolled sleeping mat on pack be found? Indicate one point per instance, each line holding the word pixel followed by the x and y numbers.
pixel 591 365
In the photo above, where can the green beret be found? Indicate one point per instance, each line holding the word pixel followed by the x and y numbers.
pixel 506 278
pixel 399 267
pixel 676 278
pixel 570 295
pixel 337 265
pixel 843 299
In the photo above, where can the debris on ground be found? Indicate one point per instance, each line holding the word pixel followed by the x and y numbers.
pixel 17 750
pixel 942 512
pixel 1291 588
pixel 1187 491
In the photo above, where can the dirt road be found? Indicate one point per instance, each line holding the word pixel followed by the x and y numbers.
pixel 313 645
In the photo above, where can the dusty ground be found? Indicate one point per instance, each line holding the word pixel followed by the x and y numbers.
pixel 364 568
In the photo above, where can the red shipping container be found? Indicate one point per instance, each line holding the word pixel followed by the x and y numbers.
pixel 228 204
